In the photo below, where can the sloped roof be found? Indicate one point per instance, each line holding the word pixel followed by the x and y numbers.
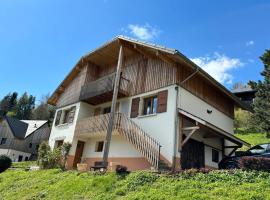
pixel 114 44
pixel 23 128
pixel 33 125
pixel 17 127
pixel 243 89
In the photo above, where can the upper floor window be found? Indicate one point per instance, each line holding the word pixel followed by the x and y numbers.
pixel 65 116
pixel 150 105
pixel 3 141
pixel 30 145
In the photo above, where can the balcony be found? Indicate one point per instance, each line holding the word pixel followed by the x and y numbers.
pixel 101 90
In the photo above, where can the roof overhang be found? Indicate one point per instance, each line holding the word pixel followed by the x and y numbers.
pixel 110 51
pixel 217 130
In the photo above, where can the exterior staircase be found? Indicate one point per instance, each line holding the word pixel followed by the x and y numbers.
pixel 124 126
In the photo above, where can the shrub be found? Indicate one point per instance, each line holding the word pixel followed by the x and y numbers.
pixel 255 163
pixel 5 163
pixel 120 169
pixel 65 148
pixel 48 158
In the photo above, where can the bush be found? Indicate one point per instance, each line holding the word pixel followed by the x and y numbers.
pixel 255 163
pixel 65 148
pixel 48 158
pixel 5 163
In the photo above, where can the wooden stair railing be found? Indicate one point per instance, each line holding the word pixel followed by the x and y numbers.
pixel 145 144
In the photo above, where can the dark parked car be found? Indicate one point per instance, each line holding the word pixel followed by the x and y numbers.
pixel 260 150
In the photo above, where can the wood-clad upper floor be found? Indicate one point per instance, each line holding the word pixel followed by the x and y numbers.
pixel 145 69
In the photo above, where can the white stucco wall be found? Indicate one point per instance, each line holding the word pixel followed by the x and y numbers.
pixel 65 131
pixel 14 155
pixel 194 105
pixel 119 148
pixel 161 126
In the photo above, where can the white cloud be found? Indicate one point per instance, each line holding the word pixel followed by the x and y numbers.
pixel 143 32
pixel 250 43
pixel 219 66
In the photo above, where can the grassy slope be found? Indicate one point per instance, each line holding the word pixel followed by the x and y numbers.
pixel 253 138
pixel 55 184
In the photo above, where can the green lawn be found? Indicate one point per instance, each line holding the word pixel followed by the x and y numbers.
pixel 55 184
pixel 253 138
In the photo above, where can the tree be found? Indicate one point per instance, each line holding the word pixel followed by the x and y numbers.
pixel 9 102
pixel 262 100
pixel 25 106
pixel 44 111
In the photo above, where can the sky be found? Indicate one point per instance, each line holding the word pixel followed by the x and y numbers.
pixel 41 41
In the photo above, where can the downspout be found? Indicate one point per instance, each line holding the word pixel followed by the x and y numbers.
pixel 176 129
pixel 176 122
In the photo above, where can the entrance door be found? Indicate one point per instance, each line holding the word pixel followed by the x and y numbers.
pixel 192 155
pixel 78 153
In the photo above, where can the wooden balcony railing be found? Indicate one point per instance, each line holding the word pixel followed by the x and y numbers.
pixel 145 144
pixel 100 90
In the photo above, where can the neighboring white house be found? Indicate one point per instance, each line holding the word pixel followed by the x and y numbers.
pixel 20 139
pixel 168 110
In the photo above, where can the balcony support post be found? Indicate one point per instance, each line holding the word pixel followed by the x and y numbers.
pixel 113 107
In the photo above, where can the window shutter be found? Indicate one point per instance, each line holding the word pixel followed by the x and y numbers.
pixel 97 111
pixel 135 107
pixel 58 117
pixel 71 114
pixel 162 101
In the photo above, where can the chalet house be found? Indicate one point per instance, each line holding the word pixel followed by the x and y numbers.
pixel 143 106
pixel 20 139
pixel 245 94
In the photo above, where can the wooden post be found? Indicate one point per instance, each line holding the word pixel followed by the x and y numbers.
pixel 113 106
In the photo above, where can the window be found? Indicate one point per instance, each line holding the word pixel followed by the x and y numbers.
pixel 26 158
pixel 3 141
pixel 37 147
pixel 106 110
pixel 215 156
pixel 150 105
pixel 99 146
pixel 59 143
pixel 65 116
pixel 30 145
pixel 20 158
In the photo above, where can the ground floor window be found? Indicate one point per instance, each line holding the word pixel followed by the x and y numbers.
pixel 20 158
pixel 3 141
pixel 59 143
pixel 99 146
pixel 26 158
pixel 215 156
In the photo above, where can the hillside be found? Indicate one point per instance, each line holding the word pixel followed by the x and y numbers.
pixel 55 184
pixel 253 138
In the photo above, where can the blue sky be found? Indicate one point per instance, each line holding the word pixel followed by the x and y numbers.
pixel 40 41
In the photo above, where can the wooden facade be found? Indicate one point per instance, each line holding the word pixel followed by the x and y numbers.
pixel 146 74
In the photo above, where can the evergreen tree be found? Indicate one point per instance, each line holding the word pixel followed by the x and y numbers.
pixel 25 106
pixel 262 100
pixel 9 102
